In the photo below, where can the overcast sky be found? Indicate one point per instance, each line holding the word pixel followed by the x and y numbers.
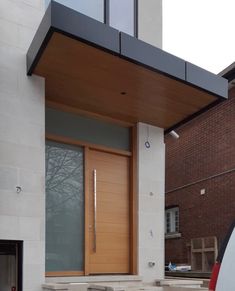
pixel 200 31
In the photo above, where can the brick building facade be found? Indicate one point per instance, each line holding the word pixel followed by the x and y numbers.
pixel 200 178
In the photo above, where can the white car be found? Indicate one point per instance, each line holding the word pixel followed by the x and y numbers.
pixel 223 273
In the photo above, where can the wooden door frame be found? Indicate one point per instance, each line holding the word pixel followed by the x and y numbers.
pixel 133 204
pixel 133 196
pixel 87 199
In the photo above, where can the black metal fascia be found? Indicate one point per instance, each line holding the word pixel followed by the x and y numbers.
pixel 60 18
pixel 69 22
pixel 151 57
pixel 194 115
pixel 79 26
pixel 206 80
pixel 230 75
pixel 40 41
pixel 155 59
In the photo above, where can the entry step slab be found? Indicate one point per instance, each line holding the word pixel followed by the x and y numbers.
pixel 114 279
pixel 97 287
pixel 148 288
pixel 180 283
pixel 111 287
pixel 180 289
pixel 65 287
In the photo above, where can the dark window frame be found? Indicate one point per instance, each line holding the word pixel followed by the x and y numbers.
pixel 19 261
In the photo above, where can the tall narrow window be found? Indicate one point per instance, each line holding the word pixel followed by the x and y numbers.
pixel 121 15
pixel 172 220
pixel 64 208
pixel 92 8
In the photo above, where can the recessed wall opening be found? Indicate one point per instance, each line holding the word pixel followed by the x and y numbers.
pixel 88 165
pixel 11 253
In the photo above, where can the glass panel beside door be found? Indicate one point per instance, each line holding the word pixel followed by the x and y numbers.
pixel 64 208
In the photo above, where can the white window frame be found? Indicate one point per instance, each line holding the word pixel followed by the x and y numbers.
pixel 172 227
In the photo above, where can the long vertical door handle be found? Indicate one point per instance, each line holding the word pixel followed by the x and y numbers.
pixel 95 208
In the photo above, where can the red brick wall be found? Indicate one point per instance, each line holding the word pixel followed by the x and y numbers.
pixel 206 147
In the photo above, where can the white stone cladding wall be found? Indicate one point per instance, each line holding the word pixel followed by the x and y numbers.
pixel 151 201
pixel 150 21
pixel 22 216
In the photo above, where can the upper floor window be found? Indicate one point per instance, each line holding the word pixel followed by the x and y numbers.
pixel 122 15
pixel 92 8
pixel 172 220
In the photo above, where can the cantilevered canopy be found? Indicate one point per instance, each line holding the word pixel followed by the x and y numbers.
pixel 93 67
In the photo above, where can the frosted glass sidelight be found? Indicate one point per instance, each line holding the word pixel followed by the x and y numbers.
pixel 122 15
pixel 64 207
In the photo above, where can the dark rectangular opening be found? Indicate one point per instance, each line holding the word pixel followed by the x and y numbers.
pixel 11 261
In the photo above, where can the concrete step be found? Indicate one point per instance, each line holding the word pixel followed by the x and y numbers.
pixel 180 283
pixel 83 283
pixel 120 283
pixel 113 279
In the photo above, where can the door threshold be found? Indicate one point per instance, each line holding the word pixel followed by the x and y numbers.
pixel 94 279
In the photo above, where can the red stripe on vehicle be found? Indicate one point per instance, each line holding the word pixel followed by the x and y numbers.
pixel 214 276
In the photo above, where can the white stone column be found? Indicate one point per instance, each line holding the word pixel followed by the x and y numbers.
pixel 150 21
pixel 22 139
pixel 151 181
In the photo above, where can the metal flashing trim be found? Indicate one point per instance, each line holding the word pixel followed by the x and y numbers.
pixel 84 27
pixel 70 22
pixel 230 76
pixel 78 26
pixel 153 57
pixel 136 24
pixel 196 114
pixel 206 80
pixel 39 42
pixel 227 71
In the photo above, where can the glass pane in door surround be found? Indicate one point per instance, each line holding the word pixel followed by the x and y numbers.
pixel 64 207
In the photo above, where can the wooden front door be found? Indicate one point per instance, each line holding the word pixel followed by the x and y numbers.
pixel 108 219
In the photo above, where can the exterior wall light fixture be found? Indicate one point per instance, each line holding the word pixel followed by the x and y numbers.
pixel 174 134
